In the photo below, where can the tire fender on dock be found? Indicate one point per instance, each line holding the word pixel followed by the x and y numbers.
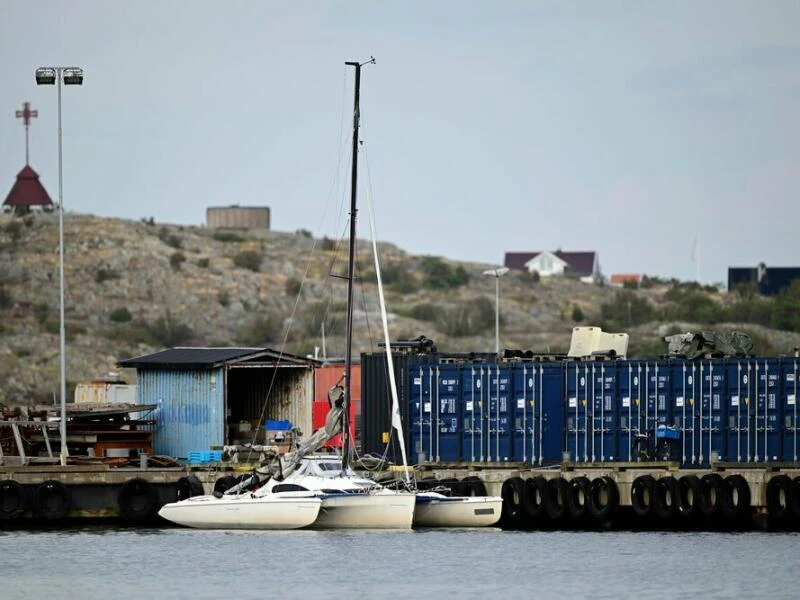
pixel 52 500
pixel 712 492
pixel 188 487
pixel 473 486
pixel 533 497
pixel 736 500
pixel 578 497
pixel 137 499
pixel 511 493
pixel 643 495
pixel 780 493
pixel 603 498
pixel 665 498
pixel 555 500
pixel 13 500
pixel 689 496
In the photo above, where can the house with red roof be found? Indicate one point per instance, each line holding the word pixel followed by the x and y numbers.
pixel 581 265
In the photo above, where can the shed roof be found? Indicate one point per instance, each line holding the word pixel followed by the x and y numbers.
pixel 209 358
pixel 27 190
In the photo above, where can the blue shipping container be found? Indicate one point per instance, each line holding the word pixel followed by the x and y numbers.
pixel 788 402
pixel 631 409
pixel 473 402
pixel 498 425
pixel 711 436
pixel 538 412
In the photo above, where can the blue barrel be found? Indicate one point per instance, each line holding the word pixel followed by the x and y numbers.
pixel 498 414
pixel 788 400
pixel 631 409
pixel 473 407
pixel 711 435
pixel 603 412
pixel 578 379
pixel 538 412
pixel 684 399
pixel 447 401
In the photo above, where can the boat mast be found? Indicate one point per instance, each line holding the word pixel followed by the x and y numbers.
pixel 348 361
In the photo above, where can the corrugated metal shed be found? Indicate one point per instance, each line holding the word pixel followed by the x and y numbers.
pixel 210 397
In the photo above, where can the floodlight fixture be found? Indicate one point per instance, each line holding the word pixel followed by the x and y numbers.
pixel 45 76
pixel 73 76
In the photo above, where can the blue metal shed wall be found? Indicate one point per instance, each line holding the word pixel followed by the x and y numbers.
pixel 190 413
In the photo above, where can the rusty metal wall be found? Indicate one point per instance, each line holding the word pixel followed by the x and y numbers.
pixel 101 392
pixel 189 414
pixel 238 217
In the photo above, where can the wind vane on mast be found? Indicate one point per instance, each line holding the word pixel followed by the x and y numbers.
pixel 26 114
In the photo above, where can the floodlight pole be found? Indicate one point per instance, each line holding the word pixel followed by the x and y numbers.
pixel 59 74
pixel 497 274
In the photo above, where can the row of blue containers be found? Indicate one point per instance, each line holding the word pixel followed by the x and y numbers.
pixel 735 410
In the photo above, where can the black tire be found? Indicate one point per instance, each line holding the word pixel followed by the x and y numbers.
pixel 555 498
pixel 512 501
pixel 473 486
pixel 224 483
pixel 189 486
pixel 137 500
pixel 449 485
pixel 578 497
pixel 665 498
pixel 603 498
pixel 423 485
pixel 13 501
pixel 796 499
pixel 779 498
pixel 52 500
pixel 643 495
pixel 712 492
pixel 689 496
pixel 736 500
pixel 533 497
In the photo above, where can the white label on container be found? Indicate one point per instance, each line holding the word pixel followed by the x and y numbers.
pixel 626 402
pixel 417 380
pixel 573 402
pixel 790 399
pixel 469 406
pixel 679 401
pixel 734 400
pixel 790 377
pixel 426 407
pixel 520 402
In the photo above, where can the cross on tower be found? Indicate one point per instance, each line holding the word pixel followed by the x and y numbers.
pixel 25 114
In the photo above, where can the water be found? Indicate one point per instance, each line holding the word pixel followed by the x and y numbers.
pixel 125 564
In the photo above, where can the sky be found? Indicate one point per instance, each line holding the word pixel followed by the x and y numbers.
pixel 625 127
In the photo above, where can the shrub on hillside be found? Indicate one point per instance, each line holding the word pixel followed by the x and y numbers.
pixel 176 260
pixel 121 315
pixel 248 260
pixel 626 310
pixel 438 275
pixel 292 286
pixel 102 275
pixel 203 262
pixel 170 239
pixel 577 313
pixel 469 318
pixel 260 331
pixel 5 298
pixel 228 236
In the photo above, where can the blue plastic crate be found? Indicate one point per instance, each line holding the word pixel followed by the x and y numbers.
pixel 271 425
pixel 204 456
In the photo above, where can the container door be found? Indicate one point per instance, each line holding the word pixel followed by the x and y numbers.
pixel 739 394
pixel 448 393
pixel 630 408
pixel 789 368
pixel 603 414
pixel 473 403
pixel 499 425
pixel 421 426
pixel 767 417
pixel 549 394
pixel 711 437
pixel 579 379
pixel 683 398
pixel 524 413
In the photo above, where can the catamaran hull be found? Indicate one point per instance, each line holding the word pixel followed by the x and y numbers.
pixel 268 512
pixel 366 511
pixel 460 511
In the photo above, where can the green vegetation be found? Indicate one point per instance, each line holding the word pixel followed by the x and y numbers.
pixel 170 239
pixel 102 275
pixel 472 317
pixel 248 260
pixel 425 311
pixel 165 332
pixel 224 298
pixel 14 229
pixel 292 286
pixel 438 275
pixel 260 331
pixel 5 298
pixel 120 315
pixel 203 262
pixel 327 244
pixel 176 260
pixel 228 236
pixel 577 313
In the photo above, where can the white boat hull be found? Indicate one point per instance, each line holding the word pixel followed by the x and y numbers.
pixel 436 510
pixel 375 510
pixel 274 511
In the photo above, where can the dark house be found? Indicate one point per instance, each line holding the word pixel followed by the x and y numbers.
pixel 770 281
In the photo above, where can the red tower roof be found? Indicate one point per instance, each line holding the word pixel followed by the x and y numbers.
pixel 28 191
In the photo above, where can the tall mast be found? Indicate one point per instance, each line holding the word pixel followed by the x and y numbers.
pixel 348 361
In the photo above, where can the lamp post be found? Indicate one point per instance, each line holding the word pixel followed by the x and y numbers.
pixel 70 76
pixel 497 274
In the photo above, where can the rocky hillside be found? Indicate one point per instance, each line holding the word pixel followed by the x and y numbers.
pixel 136 287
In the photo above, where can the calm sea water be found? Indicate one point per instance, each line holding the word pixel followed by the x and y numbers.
pixel 120 564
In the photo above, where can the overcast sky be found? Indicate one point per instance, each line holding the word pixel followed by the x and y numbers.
pixel 629 128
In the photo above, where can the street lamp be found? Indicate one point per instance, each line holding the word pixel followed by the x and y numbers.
pixel 497 274
pixel 70 76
